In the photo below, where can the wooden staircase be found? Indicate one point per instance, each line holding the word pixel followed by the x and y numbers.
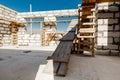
pixel 86 28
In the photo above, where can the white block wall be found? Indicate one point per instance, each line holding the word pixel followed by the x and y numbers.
pixel 5 33
pixel 108 26
pixel 7 13
pixel 25 39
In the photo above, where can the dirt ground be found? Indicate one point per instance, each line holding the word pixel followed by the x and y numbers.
pixel 29 65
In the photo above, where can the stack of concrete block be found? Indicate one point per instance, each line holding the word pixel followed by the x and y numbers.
pixel 7 13
pixel 108 25
pixel 5 34
pixel 25 39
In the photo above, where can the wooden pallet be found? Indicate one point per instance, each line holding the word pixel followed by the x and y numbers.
pixel 86 29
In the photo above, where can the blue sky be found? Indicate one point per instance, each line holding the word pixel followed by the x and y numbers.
pixel 41 5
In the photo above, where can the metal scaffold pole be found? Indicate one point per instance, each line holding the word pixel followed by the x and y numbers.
pixel 31 19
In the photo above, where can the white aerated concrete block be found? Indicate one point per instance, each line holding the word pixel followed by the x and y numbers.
pixel 105 15
pixel 106 7
pixel 5 25
pixel 3 31
pixel 113 21
pixel 113 46
pixel 105 34
pixel 105 21
pixel 102 41
pixel 110 34
pixel 26 41
pixel 38 44
pixel 31 44
pixel 1 28
pixel 113 8
pixel 7 41
pixel 110 27
pixel 33 41
pixel 117 27
pixel 25 37
pixel 7 29
pixel 116 34
pixel 110 40
pixel 8 32
pixel 99 34
pixel 102 27
pixel 116 40
pixel 117 15
pixel 20 41
pixel 100 21
pixel 37 38
pixel 1 15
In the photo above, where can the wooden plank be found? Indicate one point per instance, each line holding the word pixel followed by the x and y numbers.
pixel 85 49
pixel 55 67
pixel 62 70
pixel 56 53
pixel 63 67
pixel 86 43
pixel 100 1
pixel 64 51
pixel 57 50
pixel 87 30
pixel 85 36
pixel 73 29
pixel 88 2
pixel 87 10
pixel 93 44
pixel 88 17
pixel 88 23
pixel 58 59
pixel 60 53
pixel 69 36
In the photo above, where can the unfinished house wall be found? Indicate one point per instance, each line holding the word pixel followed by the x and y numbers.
pixel 6 15
pixel 49 30
pixel 108 26
pixel 25 39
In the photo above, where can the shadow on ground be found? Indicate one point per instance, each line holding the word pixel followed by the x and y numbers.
pixel 17 65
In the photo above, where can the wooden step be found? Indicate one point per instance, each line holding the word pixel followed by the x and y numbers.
pixel 78 36
pixel 86 43
pixel 59 59
pixel 85 49
pixel 89 23
pixel 89 17
pixel 87 10
pixel 87 30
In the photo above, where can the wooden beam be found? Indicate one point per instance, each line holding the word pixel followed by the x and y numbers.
pixel 78 36
pixel 101 1
pixel 38 22
pixel 87 30
pixel 88 23
pixel 89 17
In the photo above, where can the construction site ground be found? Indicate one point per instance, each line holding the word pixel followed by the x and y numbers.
pixel 29 64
